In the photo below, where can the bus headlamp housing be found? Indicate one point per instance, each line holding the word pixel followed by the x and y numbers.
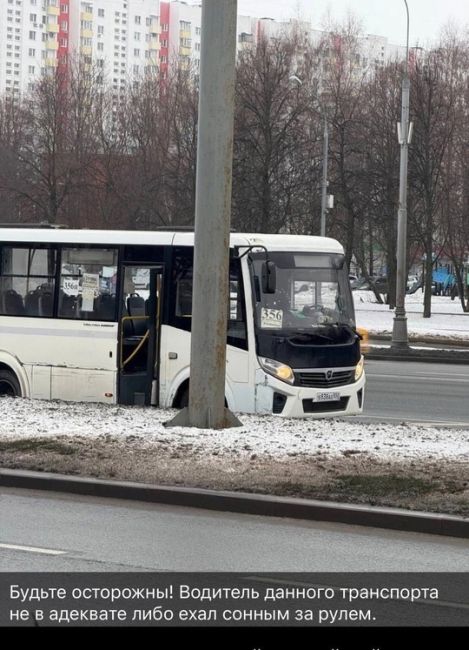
pixel 277 369
pixel 360 367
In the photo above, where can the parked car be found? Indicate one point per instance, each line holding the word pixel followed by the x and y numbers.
pixel 380 284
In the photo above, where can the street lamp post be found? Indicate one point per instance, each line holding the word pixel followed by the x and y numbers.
pixel 400 339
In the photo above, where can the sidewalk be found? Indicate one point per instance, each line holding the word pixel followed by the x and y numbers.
pixel 447 326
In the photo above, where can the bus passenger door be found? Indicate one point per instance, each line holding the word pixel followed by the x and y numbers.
pixel 139 323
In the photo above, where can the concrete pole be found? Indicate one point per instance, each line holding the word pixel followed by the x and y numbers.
pixel 400 339
pixel 325 156
pixel 212 220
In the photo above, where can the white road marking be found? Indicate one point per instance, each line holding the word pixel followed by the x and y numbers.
pixel 32 549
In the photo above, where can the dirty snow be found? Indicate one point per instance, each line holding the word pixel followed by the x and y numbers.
pixel 266 436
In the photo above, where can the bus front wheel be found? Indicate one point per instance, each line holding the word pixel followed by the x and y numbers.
pixel 9 384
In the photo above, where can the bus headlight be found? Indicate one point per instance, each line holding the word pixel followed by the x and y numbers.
pixel 277 369
pixel 360 367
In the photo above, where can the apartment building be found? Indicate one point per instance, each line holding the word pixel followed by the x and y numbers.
pixel 181 28
pixel 30 38
pixel 127 38
pixel 119 36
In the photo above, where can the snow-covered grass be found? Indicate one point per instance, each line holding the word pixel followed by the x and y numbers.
pixel 267 436
pixel 448 321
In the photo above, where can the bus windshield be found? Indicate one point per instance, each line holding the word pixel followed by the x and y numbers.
pixel 312 292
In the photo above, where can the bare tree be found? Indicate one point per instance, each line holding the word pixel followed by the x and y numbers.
pixel 433 101
pixel 276 167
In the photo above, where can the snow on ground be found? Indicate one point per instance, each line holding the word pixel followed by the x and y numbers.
pixel 447 321
pixel 266 436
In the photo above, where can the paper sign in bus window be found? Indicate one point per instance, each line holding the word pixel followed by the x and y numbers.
pixel 271 318
pixel 90 289
pixel 71 286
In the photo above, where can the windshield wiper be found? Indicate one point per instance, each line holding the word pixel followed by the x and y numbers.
pixel 305 337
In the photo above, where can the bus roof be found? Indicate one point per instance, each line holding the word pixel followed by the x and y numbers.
pixel 280 242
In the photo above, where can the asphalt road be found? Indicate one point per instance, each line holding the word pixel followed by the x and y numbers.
pixel 412 391
pixel 57 532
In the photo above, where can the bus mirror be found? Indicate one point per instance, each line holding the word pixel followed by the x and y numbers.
pixel 268 277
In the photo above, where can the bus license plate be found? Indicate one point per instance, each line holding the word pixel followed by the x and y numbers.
pixel 327 397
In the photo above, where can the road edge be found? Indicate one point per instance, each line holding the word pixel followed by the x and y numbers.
pixel 243 503
pixel 457 357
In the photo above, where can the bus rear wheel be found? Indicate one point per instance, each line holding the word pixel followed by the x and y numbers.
pixel 9 384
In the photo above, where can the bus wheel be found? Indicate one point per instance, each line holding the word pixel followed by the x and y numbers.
pixel 9 384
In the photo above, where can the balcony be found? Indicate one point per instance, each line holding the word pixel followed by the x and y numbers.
pixel 53 28
pixel 184 51
pixel 86 15
pixel 185 33
pixel 86 50
pixel 154 44
pixel 53 11
pixel 51 62
pixel 52 44
pixel 86 33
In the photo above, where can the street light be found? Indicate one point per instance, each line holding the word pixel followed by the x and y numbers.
pixel 325 200
pixel 400 339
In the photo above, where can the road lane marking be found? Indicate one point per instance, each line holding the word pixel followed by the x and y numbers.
pixel 32 549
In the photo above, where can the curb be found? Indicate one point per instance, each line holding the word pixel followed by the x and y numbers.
pixel 241 502
pixel 429 340
pixel 458 357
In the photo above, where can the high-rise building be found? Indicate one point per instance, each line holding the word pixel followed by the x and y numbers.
pixel 181 30
pixel 119 36
pixel 128 38
pixel 29 41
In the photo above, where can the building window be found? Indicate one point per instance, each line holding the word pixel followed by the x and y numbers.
pixel 32 36
pixel 138 20
pixel 101 13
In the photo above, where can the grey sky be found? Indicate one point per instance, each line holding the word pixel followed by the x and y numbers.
pixel 382 17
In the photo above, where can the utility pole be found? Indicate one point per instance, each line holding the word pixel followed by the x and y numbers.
pixel 212 221
pixel 400 339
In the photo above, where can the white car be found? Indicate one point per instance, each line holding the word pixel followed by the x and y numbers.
pixel 412 281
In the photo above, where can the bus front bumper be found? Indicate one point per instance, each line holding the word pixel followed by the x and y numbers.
pixel 278 397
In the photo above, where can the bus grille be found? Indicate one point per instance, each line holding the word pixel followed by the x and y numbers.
pixel 321 379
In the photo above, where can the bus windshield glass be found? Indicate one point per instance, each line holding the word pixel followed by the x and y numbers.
pixel 312 292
